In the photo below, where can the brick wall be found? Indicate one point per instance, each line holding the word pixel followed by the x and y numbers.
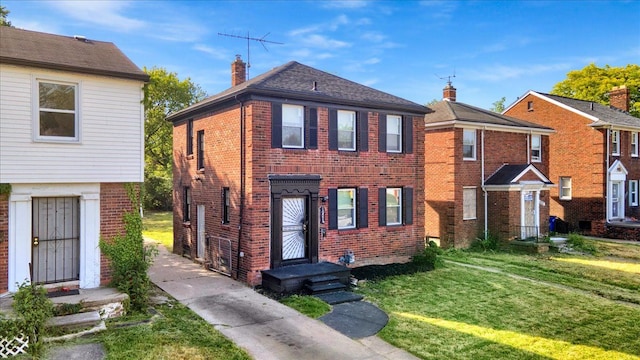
pixel 4 243
pixel 369 169
pixel 114 203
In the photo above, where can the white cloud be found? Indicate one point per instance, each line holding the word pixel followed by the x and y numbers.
pixel 497 73
pixel 373 36
pixel 323 42
pixel 215 53
pixel 37 26
pixel 344 4
pixel 104 13
pixel 441 9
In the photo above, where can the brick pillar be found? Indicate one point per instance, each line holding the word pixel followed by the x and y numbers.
pixel 238 71
pixel 619 97
pixel 449 93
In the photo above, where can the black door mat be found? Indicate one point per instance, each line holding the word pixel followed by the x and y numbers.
pixel 53 294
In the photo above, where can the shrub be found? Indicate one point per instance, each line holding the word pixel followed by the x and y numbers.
pixel 428 259
pixel 33 309
pixel 578 242
pixel 130 258
pixel 490 242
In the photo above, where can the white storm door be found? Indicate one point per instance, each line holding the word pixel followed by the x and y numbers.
pixel 294 228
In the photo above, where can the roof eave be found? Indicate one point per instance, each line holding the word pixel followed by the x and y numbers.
pixel 45 65
pixel 487 126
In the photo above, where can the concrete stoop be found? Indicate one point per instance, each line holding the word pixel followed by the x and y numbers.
pixel 75 321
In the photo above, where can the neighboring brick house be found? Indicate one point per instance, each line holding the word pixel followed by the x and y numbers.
pixel 71 136
pixel 594 160
pixel 485 173
pixel 298 166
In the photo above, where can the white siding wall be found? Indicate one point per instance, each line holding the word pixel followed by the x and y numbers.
pixel 111 147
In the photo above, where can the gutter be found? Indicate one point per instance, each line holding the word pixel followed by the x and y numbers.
pixel 484 188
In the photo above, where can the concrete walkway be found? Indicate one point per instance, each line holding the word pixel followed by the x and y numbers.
pixel 263 327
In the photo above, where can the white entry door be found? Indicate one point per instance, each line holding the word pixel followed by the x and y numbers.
pixel 201 232
pixel 294 228
pixel 529 227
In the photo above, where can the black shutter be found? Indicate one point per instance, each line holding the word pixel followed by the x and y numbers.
pixel 363 208
pixel 382 206
pixel 407 132
pixel 333 209
pixel 312 129
pixel 276 125
pixel 407 205
pixel 382 132
pixel 333 129
pixel 363 131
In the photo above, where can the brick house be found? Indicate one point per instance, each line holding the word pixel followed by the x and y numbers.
pixel 71 136
pixel 298 166
pixel 594 159
pixel 484 173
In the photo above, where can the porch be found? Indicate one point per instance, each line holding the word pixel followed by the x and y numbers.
pixel 289 279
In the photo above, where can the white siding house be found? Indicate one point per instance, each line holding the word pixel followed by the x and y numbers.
pixel 71 131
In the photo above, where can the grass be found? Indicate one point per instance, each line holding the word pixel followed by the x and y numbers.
pixel 158 225
pixel 307 305
pixel 177 334
pixel 456 312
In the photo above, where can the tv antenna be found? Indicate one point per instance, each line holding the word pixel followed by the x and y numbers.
pixel 447 77
pixel 261 40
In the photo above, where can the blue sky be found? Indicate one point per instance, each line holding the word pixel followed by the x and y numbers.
pixel 406 48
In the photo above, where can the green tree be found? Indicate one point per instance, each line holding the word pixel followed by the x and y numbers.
pixel 165 93
pixel 593 83
pixel 498 106
pixel 4 12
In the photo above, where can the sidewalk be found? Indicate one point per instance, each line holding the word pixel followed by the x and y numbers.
pixel 263 327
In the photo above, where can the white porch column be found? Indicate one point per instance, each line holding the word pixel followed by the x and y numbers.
pixel 19 240
pixel 90 244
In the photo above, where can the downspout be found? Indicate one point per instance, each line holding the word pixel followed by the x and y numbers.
pixel 484 189
pixel 606 185
pixel 242 183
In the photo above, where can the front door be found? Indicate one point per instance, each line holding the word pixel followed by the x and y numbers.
pixel 201 232
pixel 294 228
pixel 616 203
pixel 55 255
pixel 529 228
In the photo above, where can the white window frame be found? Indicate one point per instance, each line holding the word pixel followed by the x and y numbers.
pixel 346 118
pixel 392 192
pixel 534 148
pixel 633 193
pixel 615 142
pixel 473 144
pixel 394 129
pixel 562 187
pixel 352 208
pixel 634 144
pixel 469 203
pixel 293 117
pixel 36 111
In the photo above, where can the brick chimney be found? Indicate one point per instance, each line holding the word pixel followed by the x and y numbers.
pixel 238 71
pixel 449 92
pixel 619 97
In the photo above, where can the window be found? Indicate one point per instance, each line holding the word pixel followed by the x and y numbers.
pixel 529 105
pixel 226 205
pixel 565 188
pixel 186 204
pixel 346 208
pixel 394 206
pixel 57 112
pixel 292 126
pixel 615 142
pixel 469 203
pixel 634 144
pixel 190 137
pixel 536 148
pixel 633 192
pixel 346 130
pixel 200 149
pixel 394 133
pixel 469 144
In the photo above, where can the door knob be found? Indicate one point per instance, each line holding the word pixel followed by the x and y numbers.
pixel 36 241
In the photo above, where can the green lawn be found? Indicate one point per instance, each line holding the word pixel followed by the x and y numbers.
pixel 158 225
pixel 457 312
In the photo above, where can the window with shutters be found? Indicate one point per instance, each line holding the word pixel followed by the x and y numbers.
pixel 395 206
pixel 615 142
pixel 634 144
pixel 57 118
pixel 469 144
pixel 469 203
pixel 292 126
pixel 346 130
pixel 346 208
pixel 633 192
pixel 394 133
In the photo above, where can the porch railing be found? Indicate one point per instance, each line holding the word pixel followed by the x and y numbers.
pixel 526 233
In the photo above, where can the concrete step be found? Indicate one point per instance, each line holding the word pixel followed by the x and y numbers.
pixel 75 321
pixel 325 287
